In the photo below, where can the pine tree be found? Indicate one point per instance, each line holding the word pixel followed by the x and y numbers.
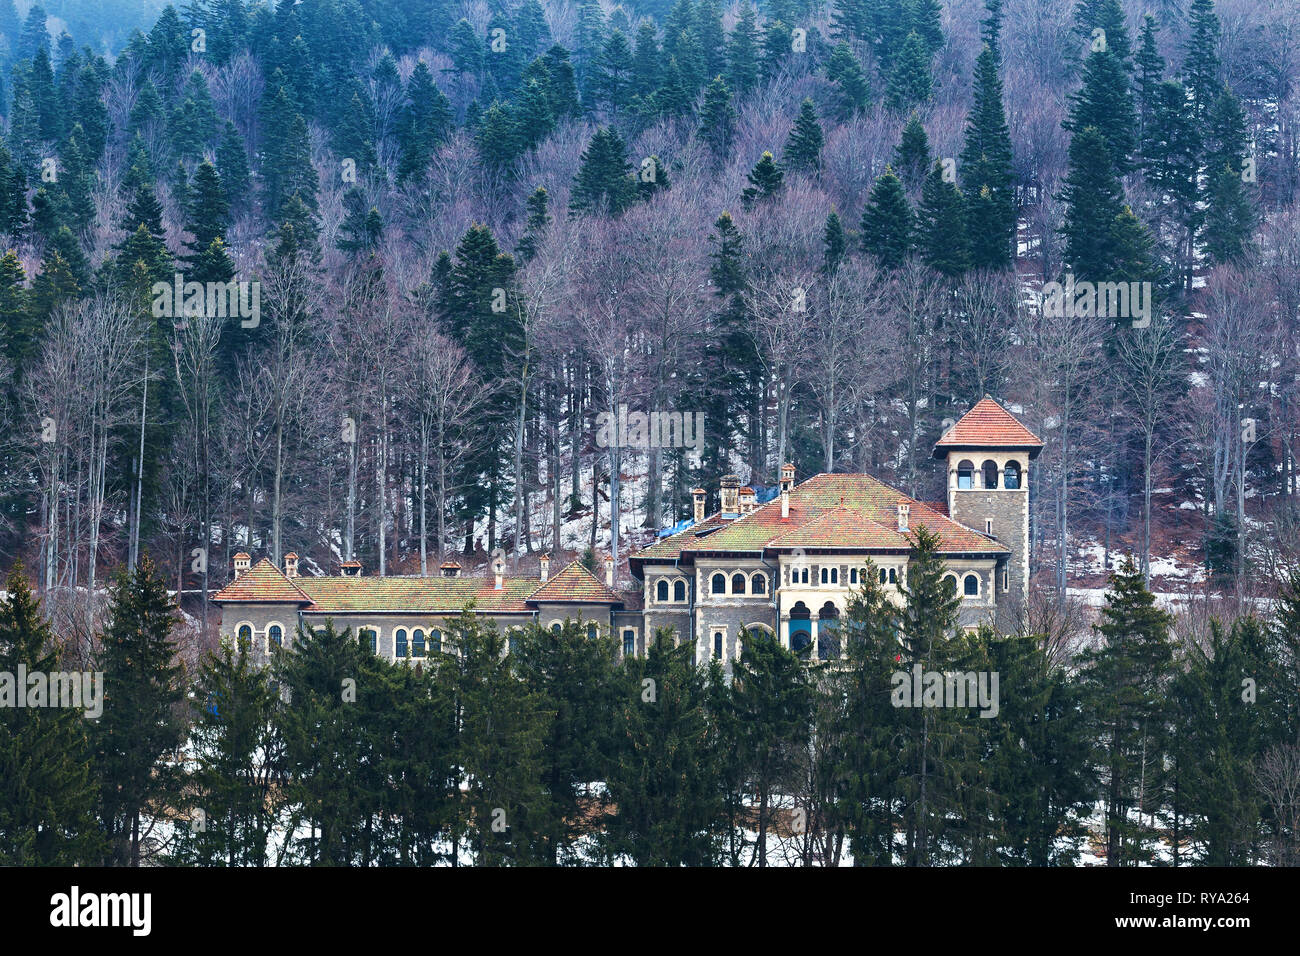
pixel 362 228
pixel 853 89
pixel 1201 58
pixel 1100 231
pixel 645 63
pixel 742 52
pixel 661 780
pixel 941 225
pixel 604 182
pixel 140 725
pixel 610 80
pixel 986 172
pixel 232 164
pixel 208 212
pixel 497 138
pixel 231 795
pixel 424 124
pixel 912 154
pixel 835 242
pixel 803 150
pixel 887 222
pixel 771 700
pixel 1106 103
pixel 717 118
pixel 354 138
pixel 765 180
pixel 1150 71
pixel 579 680
pixel 46 787
pixel 1125 683
pixel 910 83
pixel 539 218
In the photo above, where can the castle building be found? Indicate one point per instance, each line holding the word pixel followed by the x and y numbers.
pixel 787 566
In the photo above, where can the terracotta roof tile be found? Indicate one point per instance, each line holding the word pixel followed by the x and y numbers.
pixel 987 425
pixel 575 584
pixel 416 595
pixel 263 583
pixel 824 510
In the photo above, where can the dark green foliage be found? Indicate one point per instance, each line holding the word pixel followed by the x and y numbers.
pixel 604 183
pixel 912 154
pixel 47 790
pixel 765 180
pixel 986 172
pixel 142 719
pixel 941 222
pixel 910 83
pixel 803 150
pixel 887 229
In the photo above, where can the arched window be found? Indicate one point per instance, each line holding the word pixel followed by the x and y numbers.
pixel 804 580
pixel 884 575
pixel 512 640
pixel 737 583
pixel 369 637
pixel 951 581
pixel 717 645
pixel 629 642
pixel 593 632
pixel 835 575
pixel 679 590
pixel 990 474
pixel 245 633
pixel 417 643
pixel 826 575
pixel 1011 475
pixel 758 584
pixel 435 641
pixel 853 575
pixel 274 635
pixel 971 585
pixel 556 628
pixel 965 474
pixel 828 632
pixel 893 575
pixel 800 627
pixel 399 642
pixel 719 584
pixel 661 591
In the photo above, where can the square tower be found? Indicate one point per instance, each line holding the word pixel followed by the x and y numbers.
pixel 988 452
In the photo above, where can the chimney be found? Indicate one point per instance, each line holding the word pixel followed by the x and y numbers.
pixel 351 569
pixel 609 571
pixel 699 494
pixel 748 501
pixel 904 515
pixel 498 571
pixel 450 569
pixel 730 495
pixel 242 563
pixel 545 562
pixel 787 483
pixel 291 564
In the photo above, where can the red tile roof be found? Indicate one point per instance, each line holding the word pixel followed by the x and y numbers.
pixel 987 425
pixel 574 584
pixel 826 511
pixel 263 583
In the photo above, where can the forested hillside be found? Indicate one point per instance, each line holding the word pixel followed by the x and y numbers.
pixel 462 232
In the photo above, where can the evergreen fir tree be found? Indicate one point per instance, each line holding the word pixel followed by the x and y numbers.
pixel 910 83
pixel 941 225
pixel 1201 58
pixel 835 242
pixel 852 87
pixel 742 52
pixel 912 154
pixel 803 150
pixel 986 172
pixel 604 182
pixel 887 222
pixel 47 791
pixel 1125 683
pixel 765 180
pixel 232 164
pixel 141 722
pixel 717 118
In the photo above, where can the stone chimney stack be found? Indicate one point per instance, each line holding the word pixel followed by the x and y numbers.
pixel 609 571
pixel 904 517
pixel 730 495
pixel 699 494
pixel 748 500
pixel 351 569
pixel 291 564
pixel 787 484
pixel 242 563
pixel 545 563
pixel 498 571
